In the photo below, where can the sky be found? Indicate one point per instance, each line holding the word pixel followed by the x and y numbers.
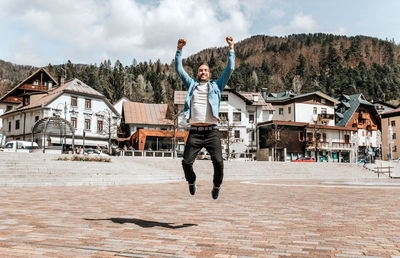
pixel 39 32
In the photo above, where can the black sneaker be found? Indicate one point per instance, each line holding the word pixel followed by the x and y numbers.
pixel 215 192
pixel 192 189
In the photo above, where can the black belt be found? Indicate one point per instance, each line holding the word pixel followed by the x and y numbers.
pixel 203 128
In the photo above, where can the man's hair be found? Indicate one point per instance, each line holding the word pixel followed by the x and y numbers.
pixel 204 63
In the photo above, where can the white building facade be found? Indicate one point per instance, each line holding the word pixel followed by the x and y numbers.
pixel 91 115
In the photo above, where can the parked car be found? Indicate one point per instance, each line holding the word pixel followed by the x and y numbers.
pixel 20 146
pixel 203 155
pixel 304 159
pixel 94 152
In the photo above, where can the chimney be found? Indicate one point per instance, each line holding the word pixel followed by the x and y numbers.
pixel 264 92
pixel 255 97
pixel 61 80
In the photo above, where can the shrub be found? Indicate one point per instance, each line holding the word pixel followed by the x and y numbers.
pixel 85 158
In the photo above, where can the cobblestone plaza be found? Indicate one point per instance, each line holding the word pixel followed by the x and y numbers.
pixel 142 208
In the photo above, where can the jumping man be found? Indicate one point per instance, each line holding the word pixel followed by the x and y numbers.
pixel 202 109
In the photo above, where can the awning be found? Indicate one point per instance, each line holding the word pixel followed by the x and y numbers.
pixel 124 139
pixel 103 143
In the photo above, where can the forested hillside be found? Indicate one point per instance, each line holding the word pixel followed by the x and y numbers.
pixel 302 63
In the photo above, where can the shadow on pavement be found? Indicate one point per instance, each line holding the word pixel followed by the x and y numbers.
pixel 146 223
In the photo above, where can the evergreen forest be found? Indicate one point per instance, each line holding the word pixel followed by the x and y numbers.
pixel 302 63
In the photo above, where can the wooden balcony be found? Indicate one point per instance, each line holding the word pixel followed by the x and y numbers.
pixel 12 99
pixel 34 87
pixel 325 117
pixel 363 116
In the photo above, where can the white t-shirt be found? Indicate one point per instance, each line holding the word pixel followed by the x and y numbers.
pixel 201 111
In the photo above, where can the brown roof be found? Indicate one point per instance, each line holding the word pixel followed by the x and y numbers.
pixel 72 86
pixel 143 113
pixel 26 79
pixel 260 102
pixel 390 113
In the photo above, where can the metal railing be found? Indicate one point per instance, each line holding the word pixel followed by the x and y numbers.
pixel 148 154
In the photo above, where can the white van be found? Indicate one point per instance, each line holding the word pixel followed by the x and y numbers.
pixel 20 146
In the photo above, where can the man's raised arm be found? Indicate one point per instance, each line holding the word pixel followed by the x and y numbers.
pixel 187 80
pixel 230 66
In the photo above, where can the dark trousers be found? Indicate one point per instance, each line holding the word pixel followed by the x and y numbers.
pixel 211 141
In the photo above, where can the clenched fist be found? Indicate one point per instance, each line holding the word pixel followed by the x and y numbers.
pixel 181 43
pixel 230 42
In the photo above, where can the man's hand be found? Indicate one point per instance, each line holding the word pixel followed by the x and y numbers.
pixel 230 42
pixel 181 43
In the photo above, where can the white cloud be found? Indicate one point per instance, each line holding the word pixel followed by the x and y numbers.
pixel 301 23
pixel 88 31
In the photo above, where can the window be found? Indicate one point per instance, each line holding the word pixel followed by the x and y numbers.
pixel 74 122
pixel 74 101
pixel 314 110
pixel 224 98
pixel 323 111
pixel 88 104
pixel 393 123
pixel 346 138
pixel 271 112
pixel 223 134
pixel 237 116
pixel 301 136
pixel 87 124
pixel 309 137
pixel 16 124
pixel 323 101
pixel 8 108
pixel 394 148
pixel 363 133
pixel 99 126
pixel 237 134
pixel 36 118
pixel 251 118
pixel 223 116
pixel 394 136
pixel 9 126
pixel 36 83
pixel 289 110
pixel 280 111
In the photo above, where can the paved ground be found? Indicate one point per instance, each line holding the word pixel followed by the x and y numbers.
pixel 265 210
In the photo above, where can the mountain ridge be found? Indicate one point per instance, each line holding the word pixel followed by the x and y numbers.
pixel 302 63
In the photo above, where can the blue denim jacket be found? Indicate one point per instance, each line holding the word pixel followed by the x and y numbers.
pixel 215 87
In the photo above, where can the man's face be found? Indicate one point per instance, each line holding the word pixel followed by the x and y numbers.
pixel 203 74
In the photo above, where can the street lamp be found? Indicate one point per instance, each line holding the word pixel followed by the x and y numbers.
pixel 252 139
pixel 354 142
pixel 66 107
